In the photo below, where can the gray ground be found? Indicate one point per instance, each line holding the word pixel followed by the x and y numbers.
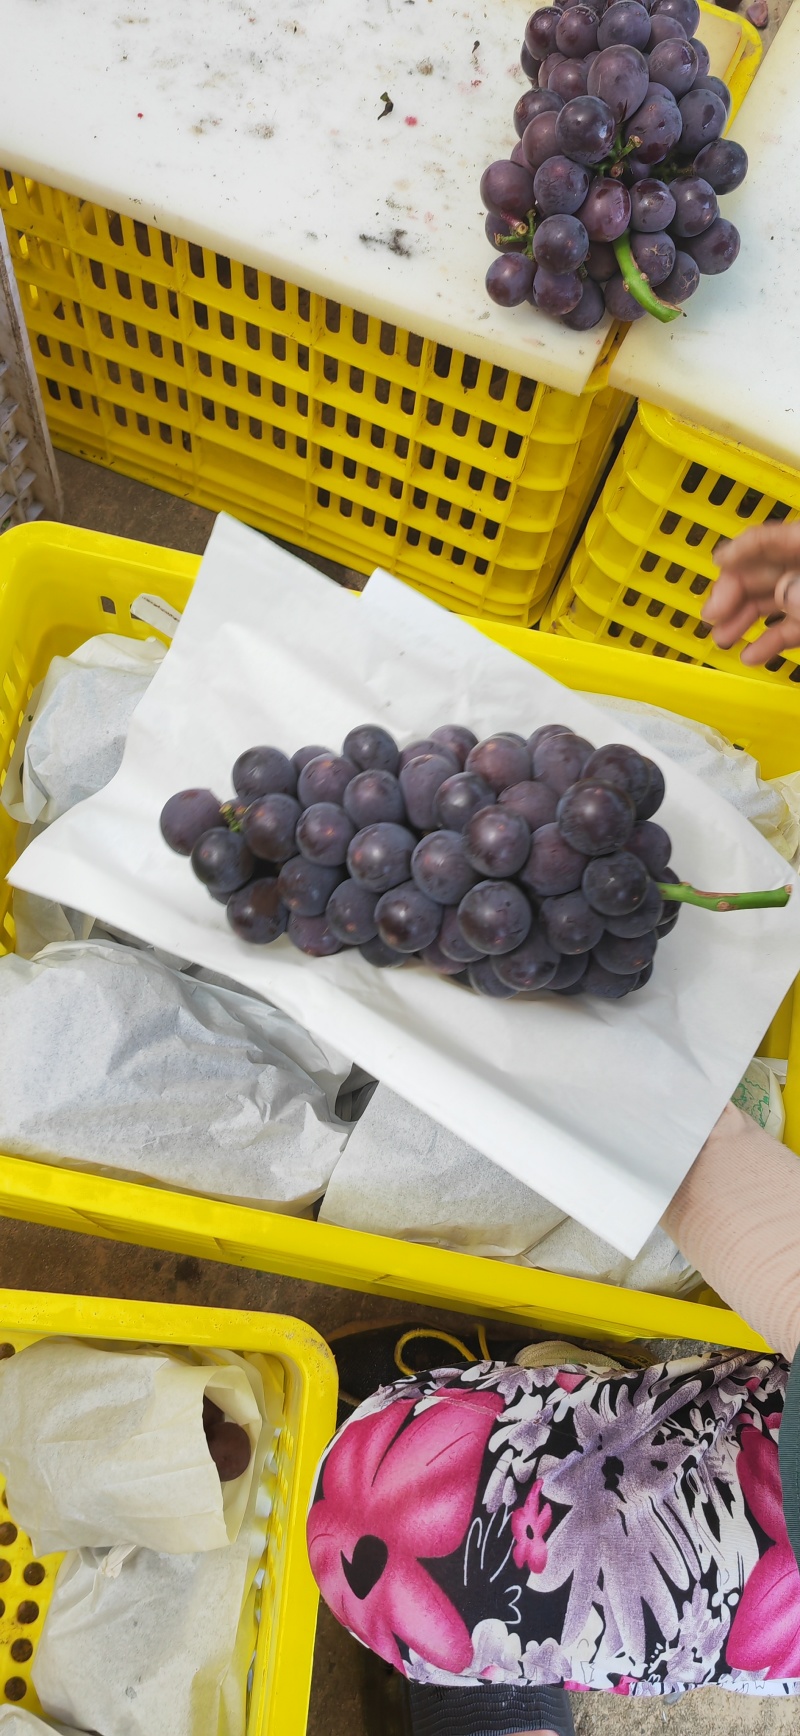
pixel 351 1696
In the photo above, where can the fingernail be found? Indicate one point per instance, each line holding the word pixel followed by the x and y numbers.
pixel 749 654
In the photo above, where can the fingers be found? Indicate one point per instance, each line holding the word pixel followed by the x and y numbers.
pixel 776 639
pixel 776 545
pixel 725 633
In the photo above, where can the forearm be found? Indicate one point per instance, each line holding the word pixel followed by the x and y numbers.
pixel 737 1218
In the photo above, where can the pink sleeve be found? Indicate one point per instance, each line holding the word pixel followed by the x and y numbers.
pixel 737 1218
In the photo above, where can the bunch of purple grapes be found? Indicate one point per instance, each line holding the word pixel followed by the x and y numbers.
pixel 609 202
pixel 513 866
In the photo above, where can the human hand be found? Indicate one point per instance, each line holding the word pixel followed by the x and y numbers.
pixel 759 575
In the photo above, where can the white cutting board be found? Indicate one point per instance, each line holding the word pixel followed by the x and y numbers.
pixel 252 126
pixel 733 364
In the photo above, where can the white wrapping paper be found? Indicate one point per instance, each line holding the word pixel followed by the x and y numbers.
pixel 15 1721
pixel 154 1644
pixel 600 1106
pixel 101 1448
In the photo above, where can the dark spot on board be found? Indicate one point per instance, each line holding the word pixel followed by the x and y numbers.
pixel 395 242
pixel 264 131
pixel 187 1270
pixel 388 105
pixel 411 121
pixel 475 45
pixel 425 67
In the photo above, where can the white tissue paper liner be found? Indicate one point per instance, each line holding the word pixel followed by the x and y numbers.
pixel 15 1721
pixel 600 1106
pixel 145 1644
pixel 102 1447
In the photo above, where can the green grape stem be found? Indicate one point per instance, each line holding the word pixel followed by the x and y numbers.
pixel 722 901
pixel 638 285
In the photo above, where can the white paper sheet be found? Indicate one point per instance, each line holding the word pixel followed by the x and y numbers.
pixel 600 1106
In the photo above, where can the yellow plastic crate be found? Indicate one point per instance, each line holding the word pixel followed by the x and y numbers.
pixel 645 564
pixel 338 431
pixel 304 1384
pixel 57 587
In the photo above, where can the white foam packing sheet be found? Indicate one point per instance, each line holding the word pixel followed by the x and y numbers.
pixel 600 1106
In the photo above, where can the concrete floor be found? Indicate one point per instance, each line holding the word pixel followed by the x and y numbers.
pixel 352 1694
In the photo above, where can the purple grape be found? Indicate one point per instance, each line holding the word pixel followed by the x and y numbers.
pixel 664 29
pixel 507 187
pixel 452 941
pixel 605 984
pixel 625 957
pixel 377 953
pixel 570 924
pixel 568 79
pixel 557 292
pixel 553 867
pixel 304 755
pixel 590 309
pixel 560 243
pixel 416 749
pixel 419 781
pixel 652 206
pixel 664 928
pixel 570 969
pixel 625 21
pixel 687 12
pixel 696 206
pixel 650 803
pixel 370 748
pixel 615 885
pixel 531 103
pixel 559 760
pixel 350 911
pixel 438 960
pixel 656 126
pixel 440 867
pixel 585 128
pixel 324 779
pixel 374 796
pixel 269 825
pixel 222 859
pixel 257 914
pixel 517 155
pixel 619 76
pixel 380 856
pixel 496 842
pixel 716 249
pixel 548 67
pixel 654 255
pixel 601 263
pixel 509 280
pixel 606 210
pixel 500 761
pixel 458 798
pixel 263 771
pixel 539 140
pixel 305 887
pixel 595 817
pixel 674 64
pixel 324 834
pixel 619 301
pixel 703 117
pixel 313 935
pixel 530 966
pixel 723 164
pixel 560 186
pixel 456 740
pixel 186 816
pixel 495 916
pixel 535 802
pixel 576 32
pixel 618 764
pixel 643 978
pixel 484 980
pixel 636 171
pixel 406 919
pixel 682 281
pixel 501 232
pixel 702 79
pixel 652 845
pixel 641 921
pixel 529 65
pixel 540 32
